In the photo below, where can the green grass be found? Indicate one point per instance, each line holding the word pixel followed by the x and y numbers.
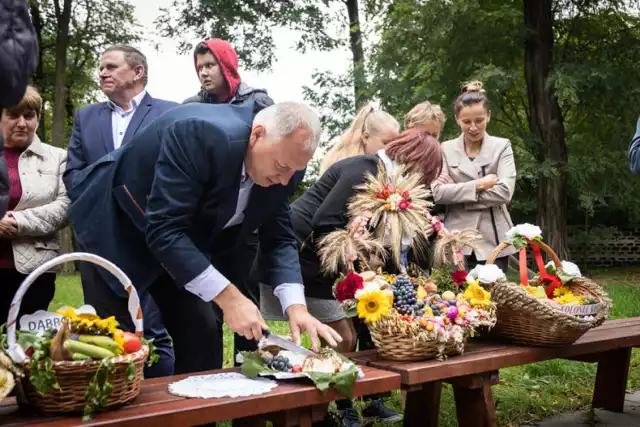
pixel 527 393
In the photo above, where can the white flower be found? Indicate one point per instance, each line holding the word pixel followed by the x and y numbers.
pixel 368 287
pixel 486 274
pixel 529 231
pixel 569 268
pixel 457 333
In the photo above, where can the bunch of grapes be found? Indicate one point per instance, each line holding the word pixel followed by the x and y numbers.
pixel 280 363
pixel 405 299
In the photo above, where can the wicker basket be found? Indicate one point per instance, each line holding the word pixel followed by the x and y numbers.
pixel 73 376
pixel 525 319
pixel 406 348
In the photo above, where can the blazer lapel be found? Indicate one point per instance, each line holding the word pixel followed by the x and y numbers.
pixel 486 152
pixel 465 166
pixel 257 203
pixel 138 116
pixel 107 129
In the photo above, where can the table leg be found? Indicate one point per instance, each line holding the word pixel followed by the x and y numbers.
pixel 474 406
pixel 302 417
pixel 422 407
pixel 611 380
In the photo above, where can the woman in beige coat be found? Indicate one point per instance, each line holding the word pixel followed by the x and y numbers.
pixel 478 178
pixel 37 206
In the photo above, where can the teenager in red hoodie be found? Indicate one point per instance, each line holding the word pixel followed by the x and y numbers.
pixel 216 63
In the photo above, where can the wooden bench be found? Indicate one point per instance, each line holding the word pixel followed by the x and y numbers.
pixel 293 402
pixel 473 373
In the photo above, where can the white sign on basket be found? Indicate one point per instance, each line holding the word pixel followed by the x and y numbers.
pixel 578 310
pixel 42 320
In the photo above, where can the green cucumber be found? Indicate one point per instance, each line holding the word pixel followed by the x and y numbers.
pixel 89 349
pixel 101 341
pixel 80 356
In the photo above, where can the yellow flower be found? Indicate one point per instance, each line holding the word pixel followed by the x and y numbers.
pixel 373 305
pixel 477 296
pixel 67 312
pixel 569 298
pixel 558 292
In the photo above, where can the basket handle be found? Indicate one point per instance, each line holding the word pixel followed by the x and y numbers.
pixel 535 245
pixel 15 351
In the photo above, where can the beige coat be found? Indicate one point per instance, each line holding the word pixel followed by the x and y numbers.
pixel 465 207
pixel 42 209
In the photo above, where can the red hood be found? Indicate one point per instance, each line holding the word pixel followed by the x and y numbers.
pixel 228 60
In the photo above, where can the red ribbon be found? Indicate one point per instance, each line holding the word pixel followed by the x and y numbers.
pixel 524 276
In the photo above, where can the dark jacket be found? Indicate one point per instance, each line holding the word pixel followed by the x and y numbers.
pixel 92 135
pixel 634 151
pixel 162 201
pixel 18 51
pixel 244 94
pixel 18 60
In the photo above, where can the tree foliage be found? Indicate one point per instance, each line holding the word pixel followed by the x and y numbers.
pixel 93 26
pixel 427 49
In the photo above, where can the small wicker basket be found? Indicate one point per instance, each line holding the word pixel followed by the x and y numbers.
pixel 74 376
pixel 525 319
pixel 393 346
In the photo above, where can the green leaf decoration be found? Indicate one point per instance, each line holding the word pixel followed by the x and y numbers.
pixel 519 242
pixel 253 364
pixel 564 277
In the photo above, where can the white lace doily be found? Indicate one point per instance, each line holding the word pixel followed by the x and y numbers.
pixel 231 384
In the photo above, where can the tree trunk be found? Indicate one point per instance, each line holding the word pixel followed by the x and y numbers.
pixel 545 123
pixel 63 16
pixel 357 50
pixel 59 95
pixel 38 77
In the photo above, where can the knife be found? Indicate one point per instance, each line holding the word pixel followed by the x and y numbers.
pixel 286 344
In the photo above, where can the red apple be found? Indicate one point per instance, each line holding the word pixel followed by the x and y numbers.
pixel 131 342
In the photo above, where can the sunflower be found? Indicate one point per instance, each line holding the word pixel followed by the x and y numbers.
pixel 373 305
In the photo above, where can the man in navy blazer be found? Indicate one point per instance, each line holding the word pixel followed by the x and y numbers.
pixel 100 128
pixel 170 207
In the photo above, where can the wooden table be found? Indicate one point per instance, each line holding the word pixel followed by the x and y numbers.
pixel 473 373
pixel 293 402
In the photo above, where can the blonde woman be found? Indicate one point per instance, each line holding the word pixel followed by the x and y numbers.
pixel 478 177
pixel 370 130
pixel 427 117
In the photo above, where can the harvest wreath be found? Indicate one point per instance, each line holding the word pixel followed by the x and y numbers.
pixel 406 316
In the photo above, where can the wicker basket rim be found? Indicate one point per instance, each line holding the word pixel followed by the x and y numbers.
pixel 519 292
pixel 122 359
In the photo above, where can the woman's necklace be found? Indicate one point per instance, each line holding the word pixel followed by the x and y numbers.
pixel 472 150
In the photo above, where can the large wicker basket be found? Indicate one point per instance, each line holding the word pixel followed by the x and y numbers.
pixel 74 376
pixel 524 319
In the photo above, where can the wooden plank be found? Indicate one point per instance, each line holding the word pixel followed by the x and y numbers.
pixel 473 362
pixel 611 380
pixel 180 411
pixel 422 406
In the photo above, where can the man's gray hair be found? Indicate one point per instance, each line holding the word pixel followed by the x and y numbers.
pixel 133 58
pixel 284 118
